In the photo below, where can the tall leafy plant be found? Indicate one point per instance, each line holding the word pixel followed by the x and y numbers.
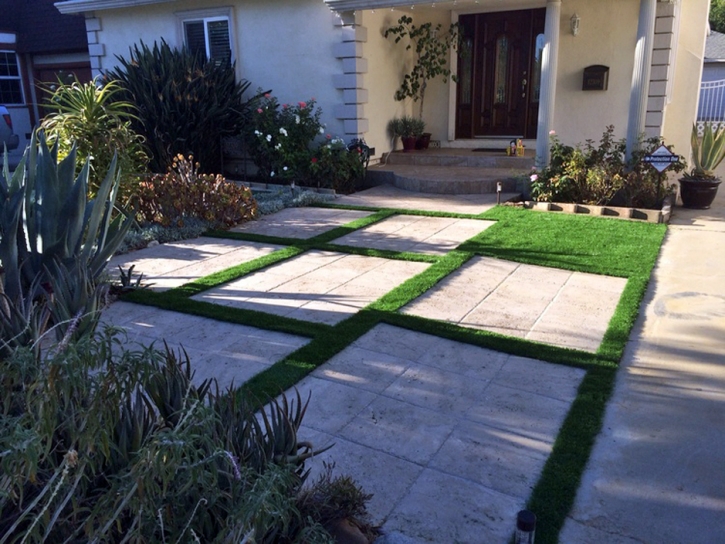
pixel 185 103
pixel 432 46
pixel 98 123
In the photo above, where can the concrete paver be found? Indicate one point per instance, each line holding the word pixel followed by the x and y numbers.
pixel 230 353
pixel 320 286
pixel 176 263
pixel 387 196
pixel 526 301
pixel 456 420
pixel 432 235
pixel 299 222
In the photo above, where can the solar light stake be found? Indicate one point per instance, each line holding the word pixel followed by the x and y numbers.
pixel 525 527
pixel 498 192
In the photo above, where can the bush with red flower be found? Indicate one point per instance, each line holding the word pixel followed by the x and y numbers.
pixel 336 167
pixel 280 139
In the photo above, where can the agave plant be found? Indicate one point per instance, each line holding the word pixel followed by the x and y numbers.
pixel 51 235
pixel 708 152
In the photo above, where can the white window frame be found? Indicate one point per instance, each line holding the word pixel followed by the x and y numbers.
pixel 18 78
pixel 207 16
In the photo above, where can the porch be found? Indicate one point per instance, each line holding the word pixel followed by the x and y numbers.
pixel 454 171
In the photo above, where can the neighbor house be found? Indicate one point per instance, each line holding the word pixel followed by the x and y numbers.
pixel 534 66
pixel 38 45
pixel 712 91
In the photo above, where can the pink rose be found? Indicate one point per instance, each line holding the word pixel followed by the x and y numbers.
pixel 259 110
pixel 552 132
pixel 314 160
pixel 302 104
pixel 328 137
pixel 285 106
pixel 267 95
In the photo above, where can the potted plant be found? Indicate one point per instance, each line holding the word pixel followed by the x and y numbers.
pixel 699 187
pixel 432 46
pixel 408 128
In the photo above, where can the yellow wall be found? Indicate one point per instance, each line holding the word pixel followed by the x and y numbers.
pixel 388 64
pixel 607 35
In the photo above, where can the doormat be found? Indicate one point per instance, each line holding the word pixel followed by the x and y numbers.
pixel 490 149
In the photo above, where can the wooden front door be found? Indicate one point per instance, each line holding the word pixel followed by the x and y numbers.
pixel 499 74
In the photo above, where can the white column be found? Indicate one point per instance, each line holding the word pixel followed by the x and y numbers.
pixel 641 73
pixel 547 95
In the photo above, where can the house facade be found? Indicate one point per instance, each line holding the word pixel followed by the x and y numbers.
pixel 533 66
pixel 38 45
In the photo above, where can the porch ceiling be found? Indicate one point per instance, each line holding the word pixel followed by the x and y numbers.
pixel 80 6
pixel 458 5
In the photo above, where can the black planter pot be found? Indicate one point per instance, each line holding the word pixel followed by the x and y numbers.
pixel 698 193
pixel 423 141
pixel 409 143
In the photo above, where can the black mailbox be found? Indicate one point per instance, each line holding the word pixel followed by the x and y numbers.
pixel 596 78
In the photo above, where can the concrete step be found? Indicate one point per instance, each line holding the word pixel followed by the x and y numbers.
pixel 447 179
pixel 461 158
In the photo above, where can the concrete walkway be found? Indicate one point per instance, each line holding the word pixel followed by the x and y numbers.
pixel 657 471
pixel 450 438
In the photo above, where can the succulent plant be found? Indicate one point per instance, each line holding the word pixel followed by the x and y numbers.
pixel 52 236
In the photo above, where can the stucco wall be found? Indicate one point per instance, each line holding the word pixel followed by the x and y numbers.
pixel 681 111
pixel 274 50
pixel 388 63
pixel 607 35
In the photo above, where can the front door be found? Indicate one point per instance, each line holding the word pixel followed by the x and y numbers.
pixel 499 74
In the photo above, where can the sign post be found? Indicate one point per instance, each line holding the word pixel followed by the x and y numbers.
pixel 661 159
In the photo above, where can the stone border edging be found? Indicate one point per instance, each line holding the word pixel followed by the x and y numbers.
pixel 638 214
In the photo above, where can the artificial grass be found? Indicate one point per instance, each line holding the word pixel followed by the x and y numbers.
pixel 578 243
pixel 611 247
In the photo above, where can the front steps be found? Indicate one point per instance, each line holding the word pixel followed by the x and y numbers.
pixel 452 171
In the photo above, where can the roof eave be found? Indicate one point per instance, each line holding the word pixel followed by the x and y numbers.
pixel 81 6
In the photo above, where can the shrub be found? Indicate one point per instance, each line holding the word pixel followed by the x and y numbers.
pixel 107 444
pixel 280 139
pixel 185 103
pixel 334 166
pixel 600 174
pixel 98 124
pixel 183 192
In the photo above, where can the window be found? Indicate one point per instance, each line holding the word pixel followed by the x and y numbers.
pixel 210 36
pixel 11 90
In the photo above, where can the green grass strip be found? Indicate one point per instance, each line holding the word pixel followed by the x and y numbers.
pixel 497 342
pixel 400 211
pixel 252 318
pixel 382 253
pixel 235 272
pixel 352 226
pixel 553 496
pixel 293 368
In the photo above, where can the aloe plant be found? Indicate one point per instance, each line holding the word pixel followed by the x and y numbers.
pixel 51 233
pixel 708 152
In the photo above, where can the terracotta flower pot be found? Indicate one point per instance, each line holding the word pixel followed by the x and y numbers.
pixel 698 193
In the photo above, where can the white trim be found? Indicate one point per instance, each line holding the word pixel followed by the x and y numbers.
pixel 82 6
pixel 19 78
pixel 8 38
pixel 207 15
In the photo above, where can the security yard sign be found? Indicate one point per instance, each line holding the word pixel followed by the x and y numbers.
pixel 661 158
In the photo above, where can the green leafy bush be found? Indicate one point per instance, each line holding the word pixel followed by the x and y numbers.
pixel 600 175
pixel 334 166
pixel 183 192
pixel 98 124
pixel 280 139
pixel 185 103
